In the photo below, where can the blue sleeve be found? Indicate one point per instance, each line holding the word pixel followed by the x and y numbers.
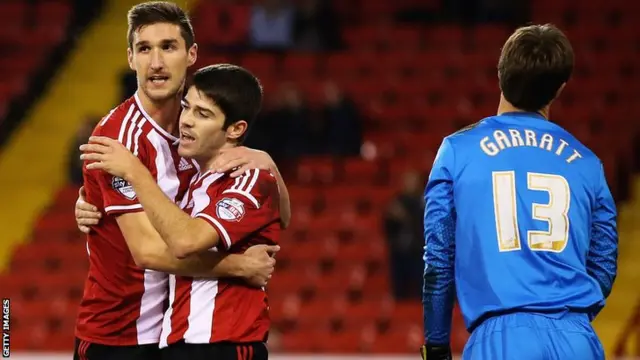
pixel 438 289
pixel 603 248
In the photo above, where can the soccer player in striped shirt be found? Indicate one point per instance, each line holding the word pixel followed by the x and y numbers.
pixel 121 311
pixel 519 221
pixel 208 318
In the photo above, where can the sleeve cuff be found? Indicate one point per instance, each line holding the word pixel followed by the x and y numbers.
pixel 222 232
pixel 247 195
pixel 123 209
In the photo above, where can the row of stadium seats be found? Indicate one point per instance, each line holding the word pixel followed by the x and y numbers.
pixel 589 64
pixel 19 14
pixel 598 37
pixel 333 265
pixel 331 195
pixel 593 12
pixel 44 282
pixel 606 28
pixel 28 34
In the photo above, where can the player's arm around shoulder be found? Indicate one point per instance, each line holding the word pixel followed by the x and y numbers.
pixel 149 251
pixel 238 160
pixel 245 205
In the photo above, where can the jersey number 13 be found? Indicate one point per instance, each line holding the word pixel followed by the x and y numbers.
pixel 555 213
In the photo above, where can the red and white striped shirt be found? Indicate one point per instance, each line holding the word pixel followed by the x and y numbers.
pixel 245 212
pixel 123 304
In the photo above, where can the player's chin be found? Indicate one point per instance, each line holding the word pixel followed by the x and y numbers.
pixel 161 93
pixel 184 151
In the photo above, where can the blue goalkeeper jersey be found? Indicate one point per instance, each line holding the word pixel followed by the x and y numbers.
pixel 518 217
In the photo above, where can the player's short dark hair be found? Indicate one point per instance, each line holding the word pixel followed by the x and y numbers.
pixel 535 61
pixel 153 12
pixel 235 90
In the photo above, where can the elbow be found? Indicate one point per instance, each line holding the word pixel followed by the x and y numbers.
pixel 143 260
pixel 606 289
pixel 285 222
pixel 182 250
pixel 193 242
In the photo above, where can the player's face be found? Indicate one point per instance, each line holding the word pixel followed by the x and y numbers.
pixel 160 59
pixel 201 123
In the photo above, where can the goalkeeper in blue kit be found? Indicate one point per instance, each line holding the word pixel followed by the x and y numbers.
pixel 520 225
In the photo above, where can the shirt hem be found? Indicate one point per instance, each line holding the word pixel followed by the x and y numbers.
pixel 112 342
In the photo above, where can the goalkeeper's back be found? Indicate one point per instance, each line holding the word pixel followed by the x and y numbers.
pixel 535 226
pixel 519 221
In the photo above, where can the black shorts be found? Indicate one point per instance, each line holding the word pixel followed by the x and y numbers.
pixel 85 350
pixel 217 351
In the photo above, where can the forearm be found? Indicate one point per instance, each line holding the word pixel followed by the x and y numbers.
pixel 602 258
pixel 602 266
pixel 167 218
pixel 207 265
pixel 438 292
pixel 149 251
pixel 438 295
pixel 285 204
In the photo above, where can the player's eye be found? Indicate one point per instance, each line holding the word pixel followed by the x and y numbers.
pixel 144 48
pixel 203 114
pixel 168 47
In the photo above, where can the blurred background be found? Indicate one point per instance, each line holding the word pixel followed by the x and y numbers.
pixel 359 94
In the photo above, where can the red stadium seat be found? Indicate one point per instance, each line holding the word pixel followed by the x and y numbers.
pixel 222 24
pixel 489 38
pixel 342 342
pixel 400 341
pixel 296 65
pixel 45 36
pixel 259 64
pixel 300 342
pixel 445 38
pixel 55 225
pixel 13 13
pixel 66 198
pixel 53 13
pixel 361 171
pixel 316 170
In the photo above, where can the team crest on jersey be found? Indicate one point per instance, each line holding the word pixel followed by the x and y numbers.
pixel 230 209
pixel 123 187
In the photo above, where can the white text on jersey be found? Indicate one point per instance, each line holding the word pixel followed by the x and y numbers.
pixel 501 140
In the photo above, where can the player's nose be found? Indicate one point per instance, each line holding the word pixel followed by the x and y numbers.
pixel 157 62
pixel 186 121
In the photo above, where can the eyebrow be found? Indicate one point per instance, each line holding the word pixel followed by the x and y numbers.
pixel 162 42
pixel 200 108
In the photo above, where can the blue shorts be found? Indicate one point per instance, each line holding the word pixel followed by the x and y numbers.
pixel 530 336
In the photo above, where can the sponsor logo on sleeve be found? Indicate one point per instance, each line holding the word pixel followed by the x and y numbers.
pixel 123 187
pixel 230 209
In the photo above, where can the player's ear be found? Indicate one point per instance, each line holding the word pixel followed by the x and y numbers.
pixel 130 59
pixel 560 90
pixel 192 54
pixel 237 129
